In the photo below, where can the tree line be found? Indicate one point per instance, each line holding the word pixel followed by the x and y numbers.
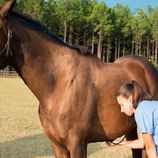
pixel 107 32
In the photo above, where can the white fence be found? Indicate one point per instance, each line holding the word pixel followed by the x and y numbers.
pixel 4 73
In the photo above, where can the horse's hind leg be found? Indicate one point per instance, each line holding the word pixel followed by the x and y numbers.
pixel 60 152
pixel 137 153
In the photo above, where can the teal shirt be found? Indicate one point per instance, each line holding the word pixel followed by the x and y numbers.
pixel 146 117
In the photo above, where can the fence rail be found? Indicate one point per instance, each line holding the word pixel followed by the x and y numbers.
pixel 4 73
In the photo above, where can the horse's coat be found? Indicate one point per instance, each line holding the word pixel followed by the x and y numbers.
pixel 77 93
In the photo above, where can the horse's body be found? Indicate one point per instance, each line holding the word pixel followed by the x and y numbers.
pixel 77 93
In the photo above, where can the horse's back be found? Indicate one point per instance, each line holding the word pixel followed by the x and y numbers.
pixel 150 72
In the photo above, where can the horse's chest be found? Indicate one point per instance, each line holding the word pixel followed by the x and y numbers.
pixel 55 126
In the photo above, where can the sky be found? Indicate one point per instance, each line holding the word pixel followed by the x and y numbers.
pixel 133 4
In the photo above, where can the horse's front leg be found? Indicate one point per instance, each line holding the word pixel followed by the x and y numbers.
pixel 137 153
pixel 59 151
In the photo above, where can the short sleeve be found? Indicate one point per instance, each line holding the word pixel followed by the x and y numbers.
pixel 144 120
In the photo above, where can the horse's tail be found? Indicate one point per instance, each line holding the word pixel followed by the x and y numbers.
pixel 150 72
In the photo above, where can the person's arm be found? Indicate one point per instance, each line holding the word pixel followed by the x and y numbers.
pixel 134 144
pixel 149 145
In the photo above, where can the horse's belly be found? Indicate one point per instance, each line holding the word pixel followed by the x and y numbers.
pixel 107 127
pixel 96 133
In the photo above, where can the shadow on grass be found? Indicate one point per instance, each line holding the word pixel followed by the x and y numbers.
pixel 37 146
pixel 26 147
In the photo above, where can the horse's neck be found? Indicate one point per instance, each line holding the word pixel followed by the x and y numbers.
pixel 38 60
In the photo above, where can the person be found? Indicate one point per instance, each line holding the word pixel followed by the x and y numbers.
pixel 135 100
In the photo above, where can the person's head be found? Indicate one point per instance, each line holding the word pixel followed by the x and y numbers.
pixel 129 95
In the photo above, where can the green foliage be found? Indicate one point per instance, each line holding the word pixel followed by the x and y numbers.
pixel 140 25
pixel 100 18
pixel 50 17
pixel 33 8
pixel 154 23
pixel 122 20
pixel 2 2
pixel 85 22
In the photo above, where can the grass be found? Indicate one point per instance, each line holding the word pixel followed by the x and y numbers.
pixel 21 135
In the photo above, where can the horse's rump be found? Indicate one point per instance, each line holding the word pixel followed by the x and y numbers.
pixel 149 71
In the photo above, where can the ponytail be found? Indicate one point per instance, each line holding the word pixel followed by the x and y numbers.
pixel 135 89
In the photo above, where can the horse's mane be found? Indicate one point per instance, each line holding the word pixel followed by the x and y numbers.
pixel 36 25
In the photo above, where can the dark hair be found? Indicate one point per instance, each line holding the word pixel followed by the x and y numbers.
pixel 135 89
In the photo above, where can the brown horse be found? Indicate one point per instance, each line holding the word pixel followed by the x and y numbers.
pixel 77 93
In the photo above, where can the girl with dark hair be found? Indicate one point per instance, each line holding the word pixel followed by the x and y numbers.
pixel 134 99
